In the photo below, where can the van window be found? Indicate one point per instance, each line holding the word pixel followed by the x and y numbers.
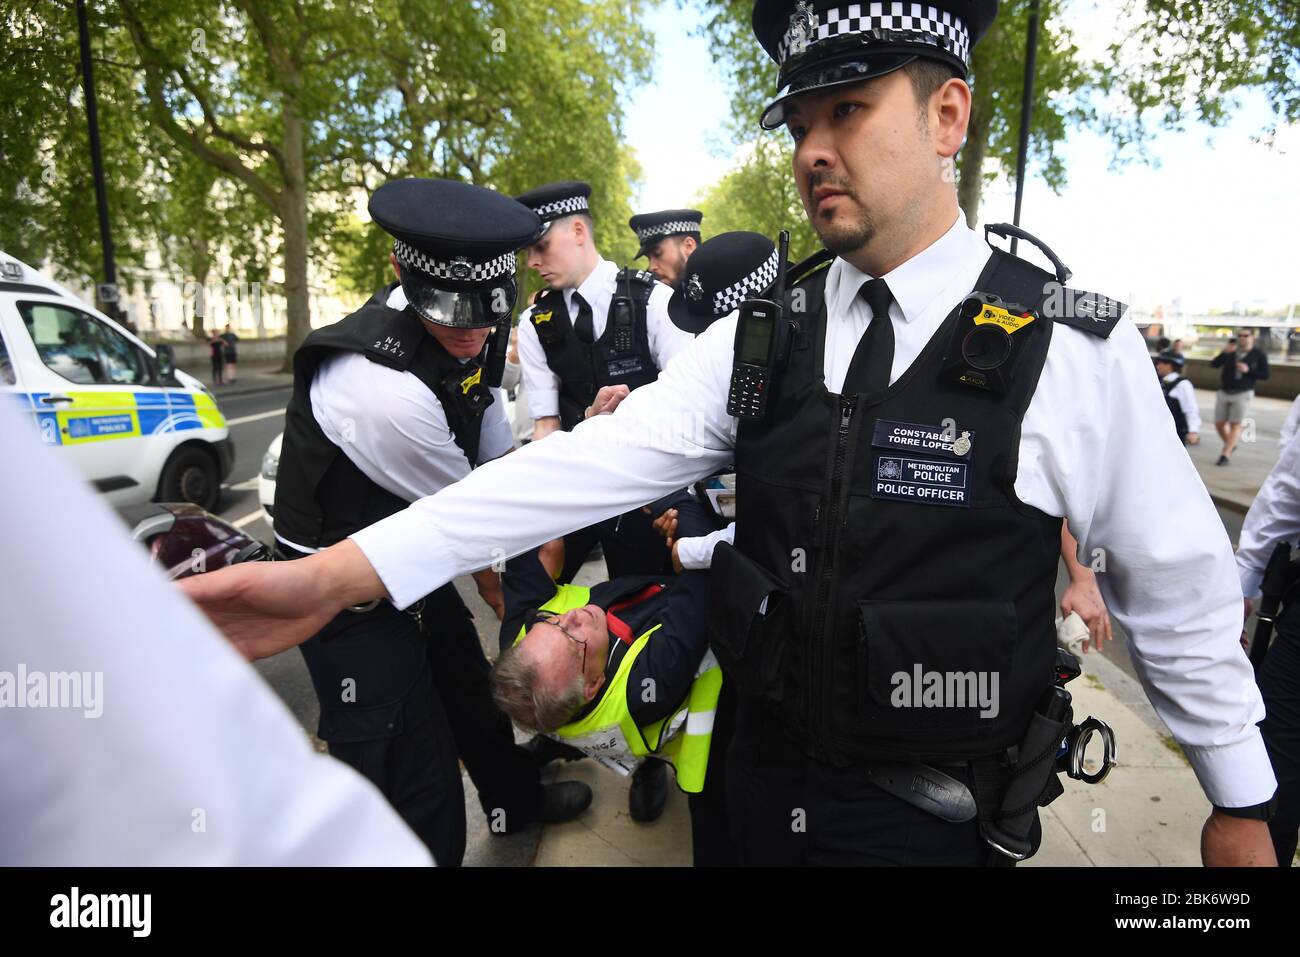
pixel 7 376
pixel 80 348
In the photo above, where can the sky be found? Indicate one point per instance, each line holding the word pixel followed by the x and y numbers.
pixel 1213 224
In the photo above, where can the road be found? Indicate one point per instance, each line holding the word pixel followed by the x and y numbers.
pixel 257 419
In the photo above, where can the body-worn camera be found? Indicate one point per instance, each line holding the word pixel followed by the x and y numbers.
pixel 987 341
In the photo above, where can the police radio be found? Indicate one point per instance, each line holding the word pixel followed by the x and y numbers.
pixel 494 360
pixel 759 334
pixel 623 335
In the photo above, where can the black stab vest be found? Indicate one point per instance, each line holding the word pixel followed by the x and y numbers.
pixel 621 356
pixel 321 497
pixel 1176 410
pixel 868 579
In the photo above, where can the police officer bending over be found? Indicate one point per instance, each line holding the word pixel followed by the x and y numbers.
pixel 941 408
pixel 391 404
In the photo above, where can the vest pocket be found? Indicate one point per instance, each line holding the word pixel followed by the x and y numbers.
pixel 925 665
pixel 749 623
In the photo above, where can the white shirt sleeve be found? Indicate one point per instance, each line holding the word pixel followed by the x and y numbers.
pixel 1291 425
pixel 1096 447
pixel 540 383
pixel 662 437
pixel 177 752
pixel 389 425
pixel 511 375
pixel 1185 396
pixel 697 553
pixel 1274 516
pixel 666 340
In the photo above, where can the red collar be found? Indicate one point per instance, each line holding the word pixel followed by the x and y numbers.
pixel 616 625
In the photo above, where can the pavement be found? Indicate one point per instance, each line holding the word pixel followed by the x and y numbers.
pixel 1148 812
pixel 251 378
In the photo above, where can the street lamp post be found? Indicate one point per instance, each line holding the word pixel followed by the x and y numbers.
pixel 106 293
pixel 1026 110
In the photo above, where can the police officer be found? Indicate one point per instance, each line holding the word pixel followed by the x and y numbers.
pixel 667 239
pixel 943 407
pixel 596 326
pixel 391 404
pixel 1274 517
pixel 1179 396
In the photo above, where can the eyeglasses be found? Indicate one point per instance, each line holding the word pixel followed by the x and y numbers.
pixel 547 618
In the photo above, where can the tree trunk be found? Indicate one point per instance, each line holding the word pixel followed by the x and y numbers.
pixel 970 185
pixel 200 269
pixel 293 218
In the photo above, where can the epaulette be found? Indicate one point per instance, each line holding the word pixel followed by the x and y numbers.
pixel 1089 312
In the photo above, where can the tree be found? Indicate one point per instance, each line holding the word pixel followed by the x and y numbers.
pixel 751 197
pixel 1173 59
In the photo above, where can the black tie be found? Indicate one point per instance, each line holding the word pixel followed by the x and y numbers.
pixel 582 325
pixel 874 356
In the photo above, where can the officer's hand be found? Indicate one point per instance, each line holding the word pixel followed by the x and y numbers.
pixel 1228 841
pixel 1084 598
pixel 265 608
pixel 1193 438
pixel 489 589
pixel 607 399
pixel 666 525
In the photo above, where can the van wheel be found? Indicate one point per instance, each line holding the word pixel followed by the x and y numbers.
pixel 191 476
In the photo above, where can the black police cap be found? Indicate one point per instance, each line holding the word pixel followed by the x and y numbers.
pixel 824 43
pixel 454 242
pixel 652 227
pixel 724 271
pixel 1172 358
pixel 557 200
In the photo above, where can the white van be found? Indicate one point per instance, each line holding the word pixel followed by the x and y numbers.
pixel 136 427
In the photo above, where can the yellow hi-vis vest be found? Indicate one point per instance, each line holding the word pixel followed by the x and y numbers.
pixel 609 734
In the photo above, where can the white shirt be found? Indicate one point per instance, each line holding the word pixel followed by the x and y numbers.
pixel 1185 396
pixel 393 428
pixel 697 553
pixel 192 759
pixel 1274 516
pixel 1291 425
pixel 1095 448
pixel 543 386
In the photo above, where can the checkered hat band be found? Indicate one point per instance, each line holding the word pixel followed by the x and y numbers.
pixel 647 233
pixel 459 269
pixel 940 25
pixel 730 298
pixel 562 207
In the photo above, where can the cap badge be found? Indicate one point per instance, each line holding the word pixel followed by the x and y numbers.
pixel 460 268
pixel 803 24
pixel 694 288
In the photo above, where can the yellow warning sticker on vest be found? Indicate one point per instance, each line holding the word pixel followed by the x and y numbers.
pixel 540 317
pixel 471 380
pixel 998 316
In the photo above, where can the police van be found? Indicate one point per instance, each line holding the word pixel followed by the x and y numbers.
pixel 135 426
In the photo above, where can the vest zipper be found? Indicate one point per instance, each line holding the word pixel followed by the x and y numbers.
pixel 820 660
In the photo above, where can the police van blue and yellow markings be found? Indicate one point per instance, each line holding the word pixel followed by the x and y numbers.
pixel 101 416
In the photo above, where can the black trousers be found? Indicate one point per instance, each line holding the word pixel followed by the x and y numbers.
pixel 789 810
pixel 401 699
pixel 1279 683
pixel 631 545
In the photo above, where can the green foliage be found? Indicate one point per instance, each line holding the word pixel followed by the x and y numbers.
pixel 760 195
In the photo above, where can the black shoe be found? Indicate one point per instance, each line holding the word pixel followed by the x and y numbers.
pixel 563 801
pixel 1223 460
pixel 544 750
pixel 649 791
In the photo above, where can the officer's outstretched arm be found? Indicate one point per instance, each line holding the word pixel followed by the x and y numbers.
pixel 664 436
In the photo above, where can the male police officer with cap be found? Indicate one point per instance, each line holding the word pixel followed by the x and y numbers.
pixel 908 482
pixel 389 405
pixel 667 240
